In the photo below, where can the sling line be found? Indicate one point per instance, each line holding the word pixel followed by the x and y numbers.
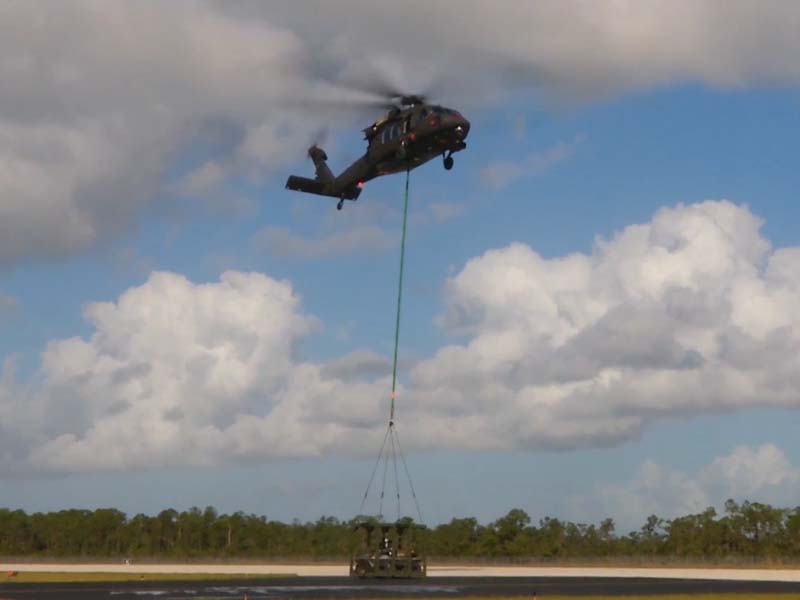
pixel 389 451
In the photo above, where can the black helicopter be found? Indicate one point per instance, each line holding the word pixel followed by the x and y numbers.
pixel 412 133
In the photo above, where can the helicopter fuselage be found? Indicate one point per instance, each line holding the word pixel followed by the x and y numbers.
pixel 403 140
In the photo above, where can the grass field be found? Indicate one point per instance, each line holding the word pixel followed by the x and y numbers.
pixel 634 597
pixel 61 577
pixel 626 597
pixel 657 597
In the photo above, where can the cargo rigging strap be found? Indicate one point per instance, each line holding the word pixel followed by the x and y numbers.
pixel 390 449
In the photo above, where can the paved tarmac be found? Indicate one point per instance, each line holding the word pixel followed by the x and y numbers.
pixel 434 570
pixel 343 587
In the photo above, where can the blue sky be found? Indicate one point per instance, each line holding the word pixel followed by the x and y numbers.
pixel 571 168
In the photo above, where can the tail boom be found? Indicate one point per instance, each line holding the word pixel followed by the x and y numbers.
pixel 321 188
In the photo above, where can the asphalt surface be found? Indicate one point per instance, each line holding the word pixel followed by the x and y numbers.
pixel 343 587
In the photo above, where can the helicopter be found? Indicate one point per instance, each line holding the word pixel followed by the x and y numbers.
pixel 412 133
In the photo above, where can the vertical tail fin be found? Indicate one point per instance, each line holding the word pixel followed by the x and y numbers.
pixel 319 157
pixel 325 182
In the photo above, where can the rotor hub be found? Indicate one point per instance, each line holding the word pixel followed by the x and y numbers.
pixel 412 100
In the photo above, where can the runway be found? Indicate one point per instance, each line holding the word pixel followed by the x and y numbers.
pixel 438 587
pixel 317 570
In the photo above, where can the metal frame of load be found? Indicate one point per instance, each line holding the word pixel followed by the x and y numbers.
pixel 394 553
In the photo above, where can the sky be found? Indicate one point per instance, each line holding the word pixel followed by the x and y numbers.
pixel 602 302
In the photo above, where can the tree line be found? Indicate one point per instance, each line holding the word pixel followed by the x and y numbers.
pixel 748 531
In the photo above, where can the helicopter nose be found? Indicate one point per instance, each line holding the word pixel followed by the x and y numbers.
pixel 459 125
pixel 462 128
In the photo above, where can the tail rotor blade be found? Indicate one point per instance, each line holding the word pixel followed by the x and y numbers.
pixel 320 136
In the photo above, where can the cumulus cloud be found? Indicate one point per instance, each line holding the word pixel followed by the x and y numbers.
pixel 501 174
pixel 691 313
pixel 372 228
pixel 655 489
pixel 184 373
pixel 102 101
pixel 762 474
pixel 280 241
pixel 202 180
pixel 572 50
pixel 7 303
pixel 446 211
pixel 358 365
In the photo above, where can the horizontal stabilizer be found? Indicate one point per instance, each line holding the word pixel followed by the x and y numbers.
pixel 304 184
pixel 314 186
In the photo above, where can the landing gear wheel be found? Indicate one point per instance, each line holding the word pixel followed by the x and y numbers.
pixel 448 162
pixel 340 204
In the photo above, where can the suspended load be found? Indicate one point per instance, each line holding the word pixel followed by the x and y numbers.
pixel 388 550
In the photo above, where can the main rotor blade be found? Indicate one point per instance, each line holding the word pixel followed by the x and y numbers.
pixel 383 78
pixel 342 103
pixel 323 95
pixel 372 81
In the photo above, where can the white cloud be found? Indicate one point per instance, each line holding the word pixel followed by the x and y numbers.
pixel 761 474
pixel 691 313
pixel 446 211
pixel 572 51
pixel 202 180
pixel 373 227
pixel 179 373
pixel 358 365
pixel 101 99
pixel 281 242
pixel 7 303
pixel 656 490
pixel 501 174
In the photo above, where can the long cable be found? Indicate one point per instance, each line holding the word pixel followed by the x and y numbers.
pixel 399 299
pixel 391 431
